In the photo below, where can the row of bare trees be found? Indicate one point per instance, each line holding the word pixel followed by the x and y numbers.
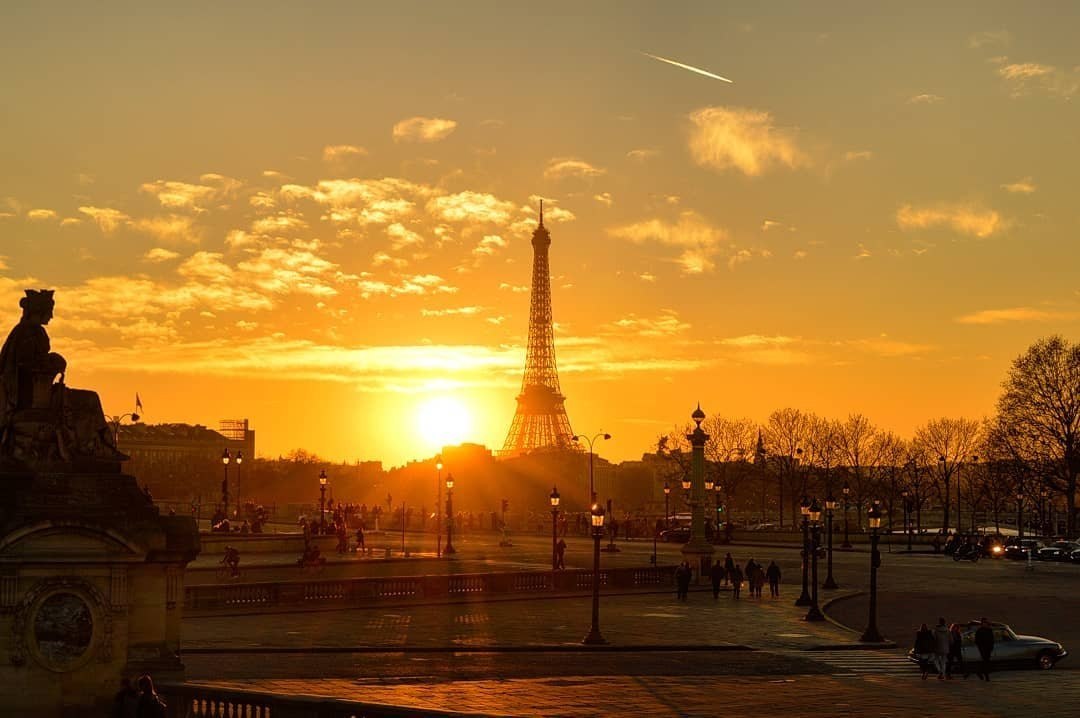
pixel 1023 458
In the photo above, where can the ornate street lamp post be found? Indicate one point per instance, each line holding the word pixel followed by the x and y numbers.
pixel 804 597
pixel 846 491
pixel 719 515
pixel 830 507
pixel 322 501
pixel 594 638
pixel 438 506
pixel 871 634
pixel 449 515
pixel 554 497
pixel 697 551
pixel 814 614
pixel 225 459
pixel 591 442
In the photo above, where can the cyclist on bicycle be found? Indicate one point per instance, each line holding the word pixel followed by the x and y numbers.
pixel 232 560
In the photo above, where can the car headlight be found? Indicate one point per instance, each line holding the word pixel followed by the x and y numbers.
pixel 996 549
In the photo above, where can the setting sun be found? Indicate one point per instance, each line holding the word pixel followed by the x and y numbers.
pixel 444 420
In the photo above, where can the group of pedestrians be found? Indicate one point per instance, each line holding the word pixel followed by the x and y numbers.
pixel 138 700
pixel 942 648
pixel 730 573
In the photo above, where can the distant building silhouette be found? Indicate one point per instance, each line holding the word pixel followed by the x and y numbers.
pixel 540 421
pixel 182 461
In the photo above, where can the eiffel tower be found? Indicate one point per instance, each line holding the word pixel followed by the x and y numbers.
pixel 540 421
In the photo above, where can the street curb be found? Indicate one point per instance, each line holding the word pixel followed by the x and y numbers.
pixel 848 646
pixel 542 648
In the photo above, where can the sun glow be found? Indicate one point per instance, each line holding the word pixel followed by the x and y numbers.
pixel 443 421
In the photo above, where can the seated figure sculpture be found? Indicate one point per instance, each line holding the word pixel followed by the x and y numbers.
pixel 42 421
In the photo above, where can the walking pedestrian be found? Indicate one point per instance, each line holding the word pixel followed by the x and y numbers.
pixel 682 581
pixel 924 649
pixel 150 703
pixel 126 701
pixel 956 651
pixel 729 566
pixel 717 574
pixel 560 553
pixel 984 641
pixel 757 580
pixel 773 574
pixel 736 577
pixel 941 647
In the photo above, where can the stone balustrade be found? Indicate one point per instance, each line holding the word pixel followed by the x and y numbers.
pixel 327 593
pixel 186 700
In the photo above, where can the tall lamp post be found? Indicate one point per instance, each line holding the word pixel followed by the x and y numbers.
pixel 554 497
pixel 594 638
pixel 846 491
pixel 581 437
pixel 322 501
pixel 225 459
pixel 814 614
pixel 727 524
pixel 708 492
pixel 871 634
pixel 239 503
pixel 667 495
pixel 697 551
pixel 438 506
pixel 449 515
pixel 134 416
pixel 906 496
pixel 1044 510
pixel 1020 514
pixel 804 597
pixel 830 507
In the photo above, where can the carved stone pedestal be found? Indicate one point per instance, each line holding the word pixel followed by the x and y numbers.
pixel 91 590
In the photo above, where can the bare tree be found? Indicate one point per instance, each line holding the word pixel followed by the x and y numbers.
pixel 731 442
pixel 822 450
pixel 889 471
pixel 785 434
pixel 950 442
pixel 1039 410
pixel 860 454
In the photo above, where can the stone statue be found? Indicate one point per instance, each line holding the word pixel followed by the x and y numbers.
pixel 42 421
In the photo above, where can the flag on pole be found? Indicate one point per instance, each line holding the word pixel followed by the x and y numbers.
pixel 138 403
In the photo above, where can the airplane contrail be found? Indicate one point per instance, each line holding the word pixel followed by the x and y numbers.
pixel 691 68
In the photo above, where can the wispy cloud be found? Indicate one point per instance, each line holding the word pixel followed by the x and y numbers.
pixel 469 206
pixel 452 312
pixel 699 240
pixel 743 139
pixel 970 219
pixel 1020 186
pixel 337 153
pixel 642 153
pixel 160 254
pixel 925 98
pixel 1015 314
pixel 989 37
pixel 39 215
pixel 563 167
pixel 1025 78
pixel 666 324
pixel 423 129
pixel 107 219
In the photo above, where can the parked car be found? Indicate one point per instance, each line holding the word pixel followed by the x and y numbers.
pixel 1010 650
pixel 678 534
pixel 1074 557
pixel 1057 551
pixel 1018 549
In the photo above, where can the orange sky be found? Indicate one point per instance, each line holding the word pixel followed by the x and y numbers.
pixel 319 219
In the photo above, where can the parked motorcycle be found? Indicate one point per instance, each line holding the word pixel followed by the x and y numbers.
pixel 968 552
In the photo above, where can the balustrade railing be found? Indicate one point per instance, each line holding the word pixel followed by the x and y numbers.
pixel 186 700
pixel 323 593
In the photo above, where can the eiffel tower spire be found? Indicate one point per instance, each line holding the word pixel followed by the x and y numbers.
pixel 540 421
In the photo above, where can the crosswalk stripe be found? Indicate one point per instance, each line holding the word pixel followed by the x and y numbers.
pixel 856 662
